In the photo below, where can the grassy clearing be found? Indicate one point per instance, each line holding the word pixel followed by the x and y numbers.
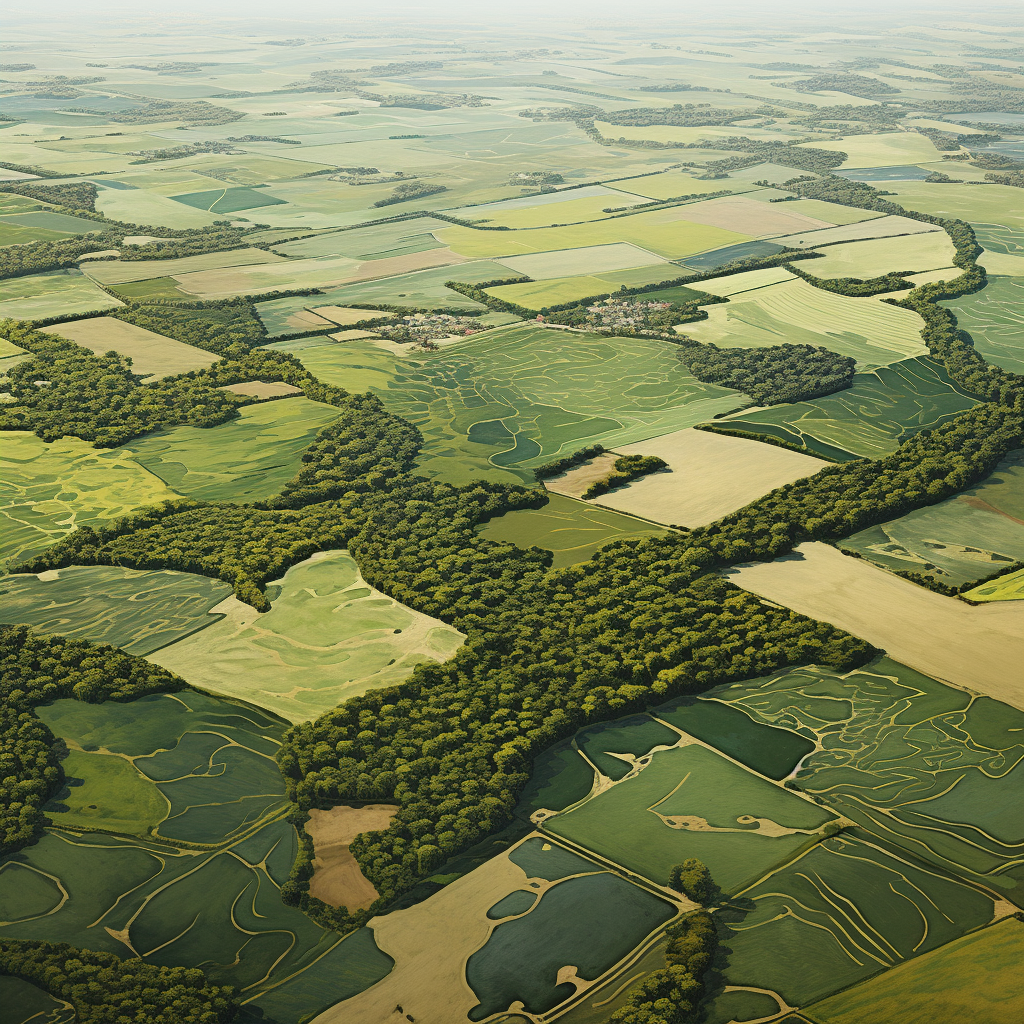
pixel 56 293
pixel 691 802
pixel 243 460
pixel 960 539
pixel 871 331
pixel 972 978
pixel 889 149
pixel 153 356
pixel 711 476
pixel 328 636
pixel 136 611
pixel 664 232
pixel 282 275
pixel 849 908
pixel 117 272
pixel 47 490
pixel 669 184
pixel 927 250
pixel 994 319
pixel 975 647
pixel 11 355
pixel 870 418
pixel 516 397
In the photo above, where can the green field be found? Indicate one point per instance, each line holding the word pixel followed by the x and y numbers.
pixel 551 292
pixel 910 760
pixel 1007 588
pixel 25 1004
pixel 871 418
pixel 327 637
pixel 766 313
pixel 243 460
pixel 691 802
pixel 571 529
pixel 196 770
pixel 845 910
pixel 377 242
pixel 11 355
pixel 518 396
pixel 927 250
pixel 976 977
pixel 136 611
pixel 228 200
pixel 994 319
pixel 46 490
pixel 961 539
pixel 56 293
pixel 978 204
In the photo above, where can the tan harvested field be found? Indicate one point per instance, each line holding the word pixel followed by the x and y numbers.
pixel 153 356
pixel 337 879
pixel 356 335
pixel 392 265
pixel 116 272
pixel 430 944
pixel 304 320
pixel 981 648
pixel 263 389
pixel 345 316
pixel 578 479
pixel 882 227
pixel 736 284
pixel 738 213
pixel 712 475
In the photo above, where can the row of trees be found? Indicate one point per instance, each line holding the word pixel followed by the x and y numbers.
pixel 627 468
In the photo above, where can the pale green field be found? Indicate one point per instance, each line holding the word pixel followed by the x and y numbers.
pixel 280 276
pixel 46 490
pixel 55 293
pixel 890 149
pixel 593 259
pixel 872 227
pixel 568 212
pixel 670 184
pixel 871 331
pixel 978 204
pixel 926 251
pixel 550 292
pixel 676 133
pixel 327 637
pixel 118 272
pixel 138 207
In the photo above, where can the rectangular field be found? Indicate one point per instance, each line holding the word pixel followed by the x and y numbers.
pixel 55 293
pixel 926 250
pixel 118 272
pixel 593 259
pixel 879 227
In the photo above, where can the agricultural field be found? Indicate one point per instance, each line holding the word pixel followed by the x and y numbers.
pixel 992 317
pixel 766 306
pixel 926 250
pixel 117 272
pixel 587 260
pixel 889 149
pixel 328 636
pixel 243 460
pixel 56 293
pixel 153 356
pixel 871 228
pixel 870 418
pixel 537 294
pixel 959 540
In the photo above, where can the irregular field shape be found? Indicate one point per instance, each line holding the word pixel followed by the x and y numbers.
pixel 51 221
pixel 47 490
pixel 888 149
pixel 746 215
pixel 137 206
pixel 716 258
pixel 228 200
pixel 748 281
pixel 964 538
pixel 327 637
pixel 57 293
pixel 1007 588
pixel 26 1004
pixel 794 312
pixel 136 611
pixel 243 460
pixel 263 389
pixel 153 356
pixel 994 318
pixel 880 227
pixel 982 204
pixel 543 199
pixel 571 210
pixel 974 977
pixel 669 184
pixel 117 272
pixel 982 647
pixel 344 316
pixel 710 476
pixel 588 260
pixel 928 250
pixel 576 481
pixel 631 823
pixel 572 530
pixel 870 418
pixel 369 243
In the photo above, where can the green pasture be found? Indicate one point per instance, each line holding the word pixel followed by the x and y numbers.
pixel 24 1003
pixel 691 802
pixel 978 204
pixel 246 459
pixel 54 293
pixel 615 748
pixel 910 760
pixel 139 206
pixel 48 220
pixel 994 318
pixel 871 418
pixel 136 611
pixel 327 637
pixel 228 200
pixel 591 922
pixel 849 908
pixel 976 977
pixel 777 309
pixel 515 397
pixel 961 539
pixel 559 777
pixel 551 861
pixel 1000 238
pixel 11 355
pixel 199 771
pixel 152 288
pixel 47 490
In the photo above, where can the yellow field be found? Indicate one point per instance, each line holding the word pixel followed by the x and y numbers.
pixel 153 356
pixel 926 251
pixel 872 227
pixel 665 232
pixel 676 183
pixel 344 316
pixel 891 149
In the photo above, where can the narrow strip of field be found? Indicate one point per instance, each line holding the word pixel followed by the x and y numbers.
pixel 977 647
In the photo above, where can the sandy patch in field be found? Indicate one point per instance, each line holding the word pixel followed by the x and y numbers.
pixel 337 879
pixel 711 476
pixel 979 648
pixel 344 316
pixel 737 213
pixel 577 480
pixel 153 356
pixel 430 944
pixel 263 389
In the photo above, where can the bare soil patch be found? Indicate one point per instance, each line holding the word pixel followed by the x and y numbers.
pixel 263 389
pixel 576 481
pixel 981 648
